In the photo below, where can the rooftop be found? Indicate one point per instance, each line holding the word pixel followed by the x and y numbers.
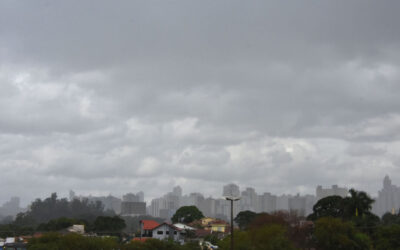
pixel 149 224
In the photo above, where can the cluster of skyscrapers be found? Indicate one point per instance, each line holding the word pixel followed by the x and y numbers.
pixel 166 205
pixel 133 204
pixel 388 200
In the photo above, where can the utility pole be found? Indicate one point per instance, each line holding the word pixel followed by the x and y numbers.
pixel 232 199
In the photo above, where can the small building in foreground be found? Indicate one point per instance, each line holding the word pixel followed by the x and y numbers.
pixel 167 231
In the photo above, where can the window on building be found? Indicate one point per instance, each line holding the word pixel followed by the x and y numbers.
pixel 175 232
pixel 167 232
pixel 160 232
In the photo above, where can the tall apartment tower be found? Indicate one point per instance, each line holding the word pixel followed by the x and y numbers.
pixel 231 190
pixel 335 190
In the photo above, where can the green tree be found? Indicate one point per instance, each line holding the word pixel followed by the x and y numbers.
pixel 267 237
pixel 10 230
pixel 389 219
pixel 152 244
pixel 270 237
pixel 212 238
pixel 187 214
pixel 59 224
pixel 55 241
pixel 109 224
pixel 333 233
pixel 367 223
pixel 358 204
pixel 332 206
pixel 263 219
pixel 244 218
pixel 387 238
pixel 241 238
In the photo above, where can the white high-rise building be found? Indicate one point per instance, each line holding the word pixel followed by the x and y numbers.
pixel 335 190
pixel 249 200
pixel 231 190
pixel 177 191
pixel 388 198
pixel 267 203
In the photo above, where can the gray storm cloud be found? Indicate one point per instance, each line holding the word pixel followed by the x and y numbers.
pixel 110 97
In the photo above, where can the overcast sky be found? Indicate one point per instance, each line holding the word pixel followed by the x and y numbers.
pixel 119 96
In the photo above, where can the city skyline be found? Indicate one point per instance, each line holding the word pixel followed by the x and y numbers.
pixel 67 193
pixel 388 199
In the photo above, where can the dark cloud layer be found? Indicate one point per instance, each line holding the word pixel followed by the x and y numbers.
pixel 107 96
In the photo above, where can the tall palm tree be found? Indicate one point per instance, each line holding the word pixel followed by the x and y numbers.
pixel 358 204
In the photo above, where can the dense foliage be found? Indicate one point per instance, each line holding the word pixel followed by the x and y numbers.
pixel 59 224
pixel 187 214
pixel 357 205
pixel 55 241
pixel 42 211
pixel 264 232
pixel 244 218
pixel 332 234
pixel 108 224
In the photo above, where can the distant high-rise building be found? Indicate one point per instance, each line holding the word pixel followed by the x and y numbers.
pixel 249 200
pixel 130 197
pixel 267 203
pixel 11 207
pixel 310 202
pixel 156 205
pixel 140 194
pixel 388 198
pixel 109 202
pixel 133 208
pixel 282 202
pixel 298 203
pixel 231 190
pixel 177 191
pixel 71 195
pixel 335 190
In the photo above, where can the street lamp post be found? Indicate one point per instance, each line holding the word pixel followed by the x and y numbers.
pixel 232 199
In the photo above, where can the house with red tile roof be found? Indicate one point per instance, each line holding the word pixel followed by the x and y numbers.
pixel 152 229
pixel 146 227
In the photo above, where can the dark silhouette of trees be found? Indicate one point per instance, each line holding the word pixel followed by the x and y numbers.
pixel 109 224
pixel 59 224
pixel 265 232
pixel 389 219
pixel 358 204
pixel 263 219
pixel 244 218
pixel 42 211
pixel 52 241
pixel 332 206
pixel 333 233
pixel 388 237
pixel 187 214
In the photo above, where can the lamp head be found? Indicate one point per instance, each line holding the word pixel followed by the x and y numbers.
pixel 232 198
